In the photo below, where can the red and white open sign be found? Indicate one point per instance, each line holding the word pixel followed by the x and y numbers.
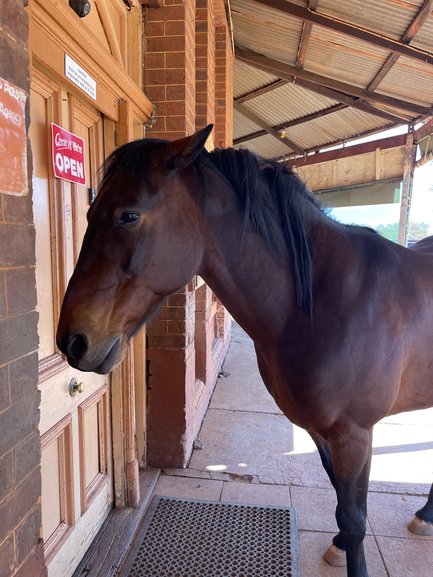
pixel 68 155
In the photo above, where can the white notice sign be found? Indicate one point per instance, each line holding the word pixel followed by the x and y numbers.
pixel 79 76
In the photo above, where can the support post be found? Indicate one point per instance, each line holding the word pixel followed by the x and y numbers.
pixel 126 480
pixel 406 195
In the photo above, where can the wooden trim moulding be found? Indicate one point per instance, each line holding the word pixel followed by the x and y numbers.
pixel 56 30
pixel 152 3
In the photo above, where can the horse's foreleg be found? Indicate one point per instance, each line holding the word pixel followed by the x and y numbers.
pixel 335 555
pixel 422 523
pixel 351 458
pixel 325 455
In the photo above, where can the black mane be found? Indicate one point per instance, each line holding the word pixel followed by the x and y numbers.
pixel 273 199
pixel 272 196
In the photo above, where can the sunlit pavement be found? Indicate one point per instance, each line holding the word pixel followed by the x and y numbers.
pixel 252 454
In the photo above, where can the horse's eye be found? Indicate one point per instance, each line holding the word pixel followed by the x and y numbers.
pixel 128 217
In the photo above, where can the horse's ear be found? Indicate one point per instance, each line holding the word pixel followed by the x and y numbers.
pixel 180 153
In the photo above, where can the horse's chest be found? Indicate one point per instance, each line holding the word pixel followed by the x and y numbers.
pixel 297 392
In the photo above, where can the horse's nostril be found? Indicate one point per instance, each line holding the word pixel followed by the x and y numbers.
pixel 76 347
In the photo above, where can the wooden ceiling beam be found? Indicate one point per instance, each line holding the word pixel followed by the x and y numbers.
pixel 418 21
pixel 305 36
pixel 345 101
pixel 349 29
pixel 287 72
pixel 354 150
pixel 355 102
pixel 386 67
pixel 260 91
pixel 370 109
pixel 268 128
pixel 424 131
pixel 411 31
pixel 325 148
pixel 295 122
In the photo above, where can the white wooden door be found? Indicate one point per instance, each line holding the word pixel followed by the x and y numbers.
pixel 77 491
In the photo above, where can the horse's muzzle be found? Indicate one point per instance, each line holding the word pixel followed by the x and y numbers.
pixel 98 359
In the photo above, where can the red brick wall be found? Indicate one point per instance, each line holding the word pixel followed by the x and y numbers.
pixel 179 78
pixel 169 67
pixel 169 82
pixel 171 357
pixel 21 552
pixel 223 87
pixel 205 63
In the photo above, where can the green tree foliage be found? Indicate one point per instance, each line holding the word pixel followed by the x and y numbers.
pixel 388 230
pixel 417 231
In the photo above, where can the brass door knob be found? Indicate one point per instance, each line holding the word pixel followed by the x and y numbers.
pixel 75 387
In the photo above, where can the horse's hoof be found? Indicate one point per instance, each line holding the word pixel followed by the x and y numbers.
pixel 420 527
pixel 335 556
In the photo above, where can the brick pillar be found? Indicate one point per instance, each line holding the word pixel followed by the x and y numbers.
pixel 21 550
pixel 223 86
pixel 204 333
pixel 169 82
pixel 177 36
pixel 169 67
pixel 171 355
pixel 205 64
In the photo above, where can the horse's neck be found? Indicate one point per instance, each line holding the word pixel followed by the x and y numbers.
pixel 254 285
pixel 250 284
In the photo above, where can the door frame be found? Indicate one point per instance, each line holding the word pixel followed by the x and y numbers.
pixel 55 30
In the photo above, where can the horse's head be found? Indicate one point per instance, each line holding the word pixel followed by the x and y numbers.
pixel 144 241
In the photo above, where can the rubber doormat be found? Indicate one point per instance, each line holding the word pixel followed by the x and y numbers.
pixel 188 538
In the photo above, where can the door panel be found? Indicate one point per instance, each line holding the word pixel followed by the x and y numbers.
pixel 88 125
pixel 77 489
pixel 51 490
pixel 41 210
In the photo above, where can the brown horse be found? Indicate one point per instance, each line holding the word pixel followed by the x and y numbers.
pixel 341 318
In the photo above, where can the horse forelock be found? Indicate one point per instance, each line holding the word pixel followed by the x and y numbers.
pixel 129 162
pixel 132 159
pixel 274 201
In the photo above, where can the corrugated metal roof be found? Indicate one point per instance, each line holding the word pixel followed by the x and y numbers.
pixel 407 75
pixel 389 16
pixel 424 37
pixel 242 125
pixel 342 125
pixel 309 106
pixel 339 56
pixel 256 26
pixel 278 105
pixel 267 147
pixel 247 78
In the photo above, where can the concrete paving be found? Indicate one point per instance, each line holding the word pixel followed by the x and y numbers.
pixel 253 454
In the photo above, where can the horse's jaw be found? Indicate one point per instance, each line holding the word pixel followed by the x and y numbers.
pixel 114 357
pixel 98 358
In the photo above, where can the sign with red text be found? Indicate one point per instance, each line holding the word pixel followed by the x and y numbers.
pixel 68 155
pixel 13 157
